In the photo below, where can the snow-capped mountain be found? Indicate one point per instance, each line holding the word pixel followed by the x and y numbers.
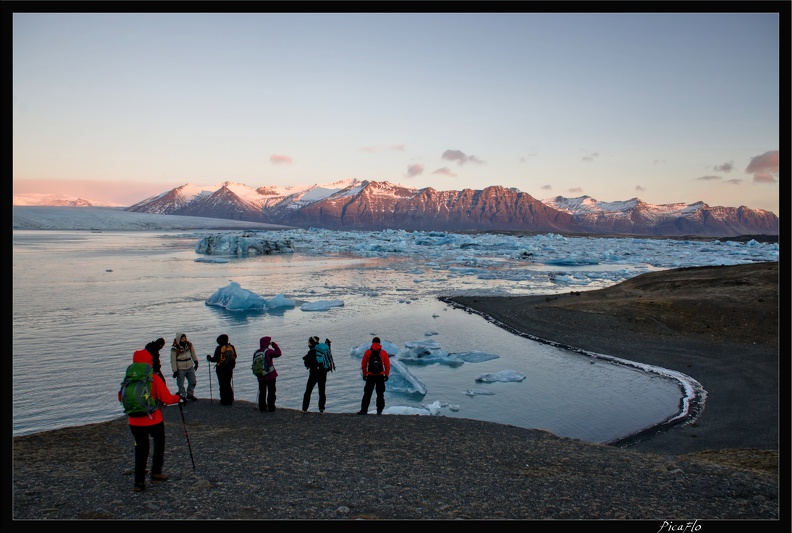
pixel 53 200
pixel 372 205
pixel 636 216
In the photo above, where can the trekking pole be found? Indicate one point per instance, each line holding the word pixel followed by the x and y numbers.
pixel 181 410
pixel 210 383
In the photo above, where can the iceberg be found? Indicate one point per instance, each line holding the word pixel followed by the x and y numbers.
pixel 234 298
pixel 244 244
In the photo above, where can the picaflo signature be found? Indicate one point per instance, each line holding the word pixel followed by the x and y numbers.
pixel 679 527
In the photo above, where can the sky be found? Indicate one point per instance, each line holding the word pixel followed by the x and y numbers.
pixel 665 107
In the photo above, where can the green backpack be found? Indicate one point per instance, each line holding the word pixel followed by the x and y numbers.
pixel 260 367
pixel 136 396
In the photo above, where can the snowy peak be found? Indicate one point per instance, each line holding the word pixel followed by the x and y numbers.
pixel 375 205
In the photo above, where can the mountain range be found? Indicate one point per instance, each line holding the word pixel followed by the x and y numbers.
pixel 372 205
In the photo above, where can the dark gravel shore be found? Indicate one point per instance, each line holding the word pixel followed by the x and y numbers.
pixel 288 465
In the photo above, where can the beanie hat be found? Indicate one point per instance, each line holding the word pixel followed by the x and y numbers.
pixel 313 341
pixel 222 339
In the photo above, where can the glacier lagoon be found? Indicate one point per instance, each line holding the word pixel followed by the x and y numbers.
pixel 84 301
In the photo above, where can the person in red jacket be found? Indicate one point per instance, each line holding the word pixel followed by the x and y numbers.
pixel 153 426
pixel 375 376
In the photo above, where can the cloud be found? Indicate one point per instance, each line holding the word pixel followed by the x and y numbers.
pixel 725 167
pixel 591 157
pixel 763 167
pixel 373 149
pixel 416 169
pixel 708 178
pixel 460 157
pixel 445 171
pixel 576 190
pixel 659 162
pixel 733 181
pixel 764 177
pixel 640 189
pixel 546 187
pixel 277 159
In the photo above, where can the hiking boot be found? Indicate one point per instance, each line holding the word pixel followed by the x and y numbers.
pixel 192 398
pixel 379 412
pixel 159 477
pixel 305 411
pixel 362 413
pixel 321 411
pixel 139 486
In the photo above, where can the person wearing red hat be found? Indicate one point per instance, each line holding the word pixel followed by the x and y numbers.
pixel 150 426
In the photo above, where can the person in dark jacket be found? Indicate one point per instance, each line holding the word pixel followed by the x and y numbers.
pixel 153 426
pixel 317 375
pixel 266 399
pixel 154 348
pixel 375 379
pixel 225 373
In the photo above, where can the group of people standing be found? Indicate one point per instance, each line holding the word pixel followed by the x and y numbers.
pixel 184 363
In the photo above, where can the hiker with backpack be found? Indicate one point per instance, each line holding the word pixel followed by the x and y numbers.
pixel 144 415
pixel 184 363
pixel 264 370
pixel 375 367
pixel 225 360
pixel 318 361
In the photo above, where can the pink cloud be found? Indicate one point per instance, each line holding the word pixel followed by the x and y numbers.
pixel 725 167
pixel 767 162
pixel 277 159
pixel 576 190
pixel 460 157
pixel 416 169
pixel 708 178
pixel 445 171
pixel 764 177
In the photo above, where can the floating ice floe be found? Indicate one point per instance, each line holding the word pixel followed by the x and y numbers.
pixel 503 375
pixel 478 392
pixel 321 305
pixel 476 357
pixel 427 352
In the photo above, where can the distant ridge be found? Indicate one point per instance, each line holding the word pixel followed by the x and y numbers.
pixel 372 205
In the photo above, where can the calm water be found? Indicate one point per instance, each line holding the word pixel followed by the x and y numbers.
pixel 83 302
